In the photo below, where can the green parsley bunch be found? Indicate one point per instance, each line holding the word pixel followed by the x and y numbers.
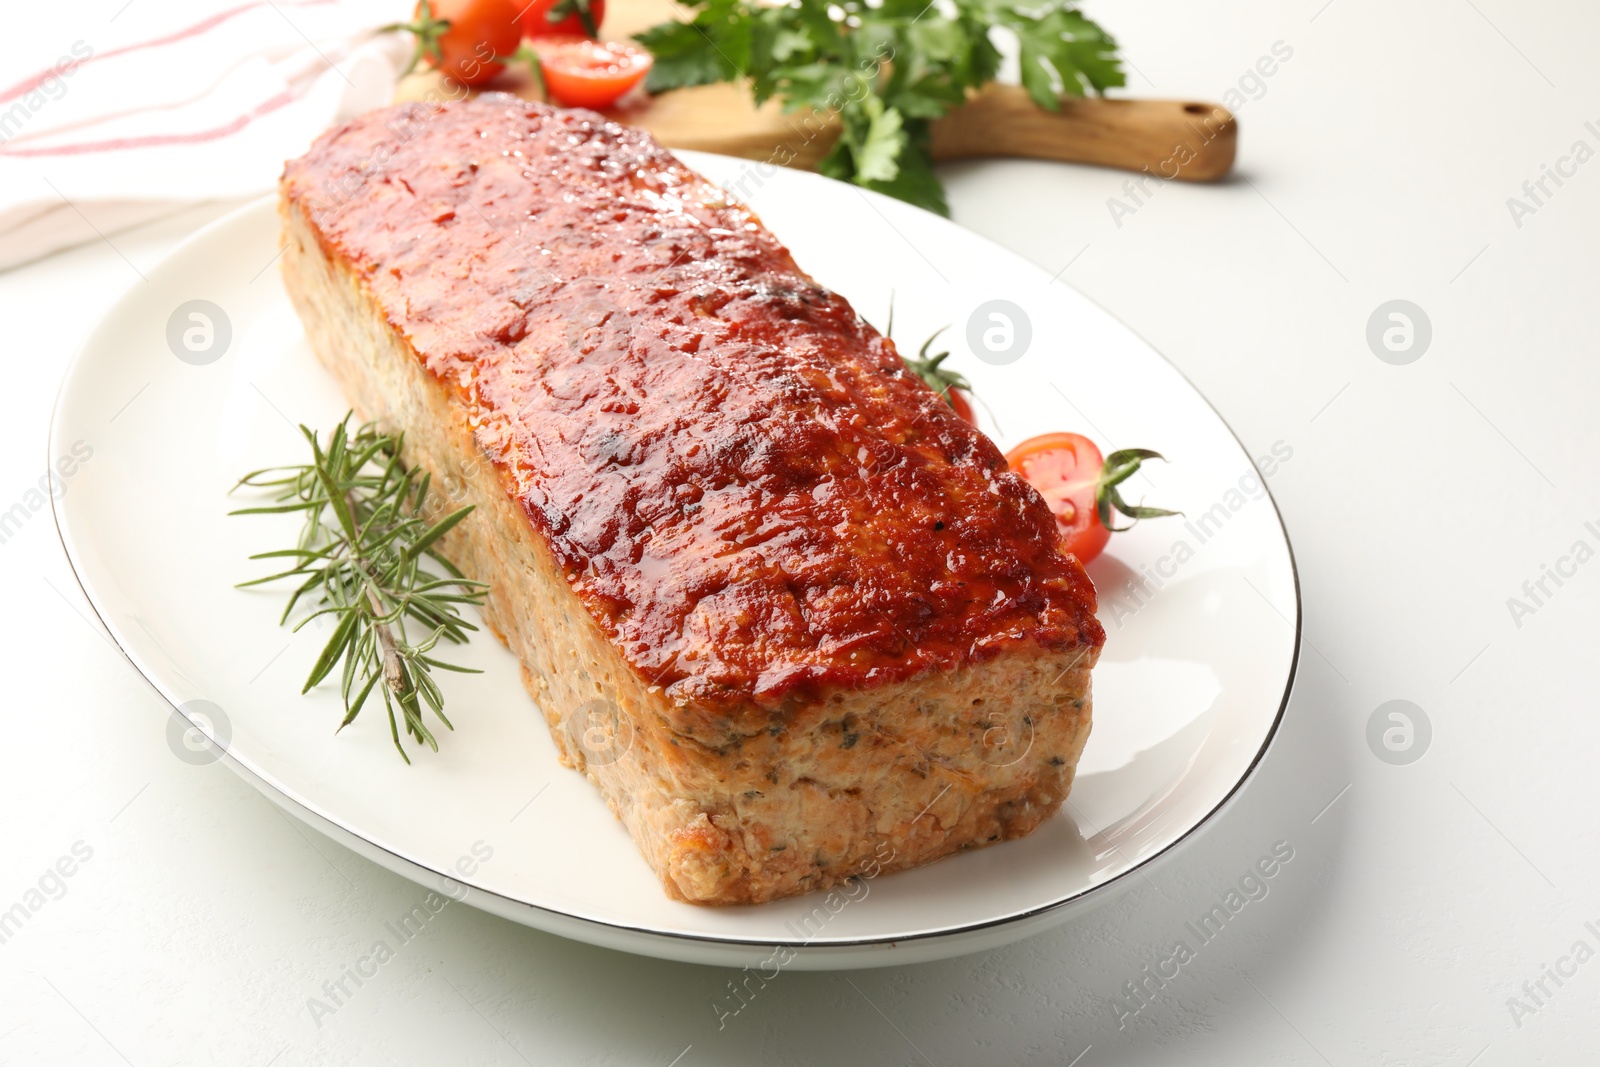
pixel 887 68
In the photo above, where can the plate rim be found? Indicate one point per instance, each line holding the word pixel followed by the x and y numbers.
pixel 278 793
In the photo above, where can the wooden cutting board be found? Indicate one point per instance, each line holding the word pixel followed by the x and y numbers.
pixel 1178 139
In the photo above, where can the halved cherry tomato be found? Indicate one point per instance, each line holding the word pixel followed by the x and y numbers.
pixel 1082 487
pixel 465 39
pixel 579 72
pixel 1065 468
pixel 563 18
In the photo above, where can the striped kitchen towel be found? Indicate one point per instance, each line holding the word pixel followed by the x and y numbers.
pixel 168 103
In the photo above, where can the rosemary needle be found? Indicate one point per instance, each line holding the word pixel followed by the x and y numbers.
pixel 360 559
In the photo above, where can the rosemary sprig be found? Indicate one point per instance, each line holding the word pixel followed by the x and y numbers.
pixel 360 555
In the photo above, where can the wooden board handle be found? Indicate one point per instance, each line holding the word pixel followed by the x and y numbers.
pixel 1172 138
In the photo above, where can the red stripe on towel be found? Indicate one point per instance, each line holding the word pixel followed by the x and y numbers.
pixel 33 81
pixel 158 139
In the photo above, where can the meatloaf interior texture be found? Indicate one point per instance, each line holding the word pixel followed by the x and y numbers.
pixel 788 612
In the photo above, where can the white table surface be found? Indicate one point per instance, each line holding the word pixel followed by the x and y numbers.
pixel 1375 165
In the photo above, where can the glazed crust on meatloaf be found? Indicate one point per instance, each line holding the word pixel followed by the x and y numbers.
pixel 787 611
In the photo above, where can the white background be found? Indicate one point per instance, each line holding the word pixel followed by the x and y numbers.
pixel 1376 164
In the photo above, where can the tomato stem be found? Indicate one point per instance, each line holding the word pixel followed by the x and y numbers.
pixel 930 368
pixel 558 13
pixel 1119 467
pixel 529 55
pixel 429 33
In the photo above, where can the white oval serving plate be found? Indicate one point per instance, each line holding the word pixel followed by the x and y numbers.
pixel 1202 613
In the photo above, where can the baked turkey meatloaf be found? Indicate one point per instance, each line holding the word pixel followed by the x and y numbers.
pixel 789 613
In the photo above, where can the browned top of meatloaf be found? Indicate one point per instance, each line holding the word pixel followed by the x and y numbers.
pixel 750 494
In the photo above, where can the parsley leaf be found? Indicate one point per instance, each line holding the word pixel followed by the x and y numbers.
pixel 878 150
pixel 1063 54
pixel 685 57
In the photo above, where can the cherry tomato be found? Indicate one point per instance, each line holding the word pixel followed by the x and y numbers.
pixel 579 72
pixel 464 39
pixel 1066 469
pixel 963 406
pixel 568 16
